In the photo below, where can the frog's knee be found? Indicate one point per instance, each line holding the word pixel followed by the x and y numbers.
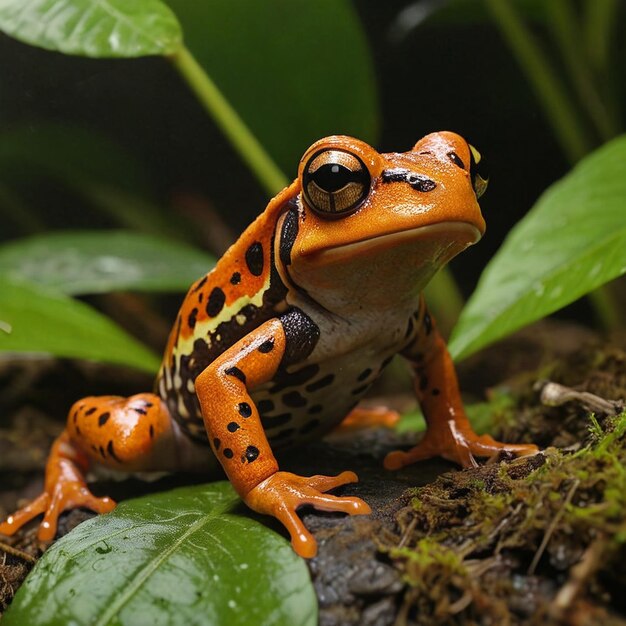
pixel 120 432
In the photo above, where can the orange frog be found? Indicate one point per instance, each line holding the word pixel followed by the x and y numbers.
pixel 280 341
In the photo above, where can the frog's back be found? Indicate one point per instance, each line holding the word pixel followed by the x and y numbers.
pixel 240 293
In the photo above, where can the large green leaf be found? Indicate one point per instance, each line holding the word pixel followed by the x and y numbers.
pixel 189 556
pixel 294 70
pixel 95 262
pixel 45 322
pixel 572 241
pixel 93 28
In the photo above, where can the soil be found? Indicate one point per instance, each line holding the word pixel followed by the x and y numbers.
pixel 513 541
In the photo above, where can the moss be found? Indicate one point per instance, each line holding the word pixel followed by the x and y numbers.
pixel 527 520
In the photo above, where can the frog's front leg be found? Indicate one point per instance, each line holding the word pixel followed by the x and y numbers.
pixel 449 433
pixel 240 444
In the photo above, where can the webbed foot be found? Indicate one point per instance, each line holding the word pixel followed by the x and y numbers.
pixel 454 444
pixel 282 493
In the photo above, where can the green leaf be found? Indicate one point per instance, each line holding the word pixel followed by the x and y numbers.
pixel 572 241
pixel 294 70
pixel 70 152
pixel 97 262
pixel 108 176
pixel 93 28
pixel 45 322
pixel 188 556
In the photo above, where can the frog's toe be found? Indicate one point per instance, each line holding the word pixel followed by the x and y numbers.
pixel 20 518
pixel 326 483
pixel 67 497
pixel 302 540
pixel 486 446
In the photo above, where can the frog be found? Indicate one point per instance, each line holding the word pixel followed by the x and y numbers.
pixel 283 338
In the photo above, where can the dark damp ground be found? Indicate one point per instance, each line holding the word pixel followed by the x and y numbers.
pixel 540 540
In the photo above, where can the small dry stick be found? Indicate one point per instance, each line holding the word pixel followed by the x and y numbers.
pixel 580 574
pixel 408 531
pixel 20 554
pixel 553 394
pixel 552 528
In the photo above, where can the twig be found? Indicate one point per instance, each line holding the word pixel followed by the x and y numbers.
pixel 550 530
pixel 20 554
pixel 407 533
pixel 553 394
pixel 580 573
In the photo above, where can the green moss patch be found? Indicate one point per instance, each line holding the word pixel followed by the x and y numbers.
pixel 531 540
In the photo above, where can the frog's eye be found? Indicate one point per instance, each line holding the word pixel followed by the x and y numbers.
pixel 477 172
pixel 335 182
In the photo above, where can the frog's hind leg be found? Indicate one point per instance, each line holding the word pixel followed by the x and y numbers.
pixel 127 434
pixel 362 417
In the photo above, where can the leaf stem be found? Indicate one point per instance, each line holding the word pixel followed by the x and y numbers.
pixel 599 21
pixel 606 307
pixel 543 78
pixel 567 34
pixel 444 299
pixel 250 150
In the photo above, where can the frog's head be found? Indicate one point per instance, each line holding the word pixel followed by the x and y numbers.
pixel 378 226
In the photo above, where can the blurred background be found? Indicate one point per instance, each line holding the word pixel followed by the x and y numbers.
pixel 99 143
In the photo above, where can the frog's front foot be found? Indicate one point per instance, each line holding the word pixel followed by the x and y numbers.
pixel 282 493
pixel 65 494
pixel 454 444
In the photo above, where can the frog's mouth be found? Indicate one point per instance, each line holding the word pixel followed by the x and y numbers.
pixel 453 237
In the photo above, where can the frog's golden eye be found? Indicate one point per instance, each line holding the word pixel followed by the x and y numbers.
pixel 335 182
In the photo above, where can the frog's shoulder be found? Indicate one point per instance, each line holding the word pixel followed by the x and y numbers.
pixel 242 282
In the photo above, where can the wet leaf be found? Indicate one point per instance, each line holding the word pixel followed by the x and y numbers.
pixel 96 262
pixel 572 241
pixel 188 556
pixel 46 322
pixel 93 28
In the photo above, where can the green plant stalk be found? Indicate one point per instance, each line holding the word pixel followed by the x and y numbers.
pixel 444 299
pixel 567 34
pixel 250 150
pixel 562 115
pixel 544 80
pixel 606 308
pixel 599 19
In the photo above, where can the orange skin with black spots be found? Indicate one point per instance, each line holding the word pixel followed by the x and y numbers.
pixel 281 339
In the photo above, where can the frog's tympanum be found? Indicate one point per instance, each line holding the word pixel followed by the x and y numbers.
pixel 279 342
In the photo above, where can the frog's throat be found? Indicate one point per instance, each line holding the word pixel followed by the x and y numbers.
pixel 462 233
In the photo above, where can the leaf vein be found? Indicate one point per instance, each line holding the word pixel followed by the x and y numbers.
pixel 133 587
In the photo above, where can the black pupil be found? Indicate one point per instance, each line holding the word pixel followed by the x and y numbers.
pixel 333 176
